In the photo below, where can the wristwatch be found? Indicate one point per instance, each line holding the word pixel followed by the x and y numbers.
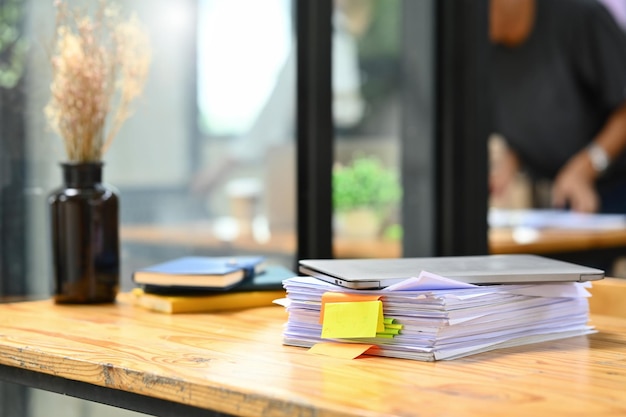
pixel 599 158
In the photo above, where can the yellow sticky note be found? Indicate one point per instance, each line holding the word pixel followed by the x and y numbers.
pixel 340 350
pixel 339 297
pixel 352 319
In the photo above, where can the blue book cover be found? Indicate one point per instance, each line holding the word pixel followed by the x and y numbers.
pixel 269 278
pixel 200 271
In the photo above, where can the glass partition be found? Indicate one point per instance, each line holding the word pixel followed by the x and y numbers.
pixel 204 165
pixel 367 53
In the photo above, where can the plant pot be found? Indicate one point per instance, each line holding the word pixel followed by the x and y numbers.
pixel 359 223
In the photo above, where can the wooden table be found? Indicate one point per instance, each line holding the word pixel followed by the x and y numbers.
pixel 547 241
pixel 235 363
pixel 201 236
pixel 501 240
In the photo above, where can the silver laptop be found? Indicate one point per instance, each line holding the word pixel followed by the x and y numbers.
pixel 481 270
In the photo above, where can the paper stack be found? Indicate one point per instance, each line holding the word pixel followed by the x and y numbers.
pixel 554 218
pixel 433 318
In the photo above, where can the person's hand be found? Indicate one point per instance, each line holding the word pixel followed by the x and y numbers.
pixel 504 169
pixel 575 186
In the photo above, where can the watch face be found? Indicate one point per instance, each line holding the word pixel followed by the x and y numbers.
pixel 598 157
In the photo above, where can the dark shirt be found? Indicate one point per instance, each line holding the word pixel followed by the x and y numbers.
pixel 554 92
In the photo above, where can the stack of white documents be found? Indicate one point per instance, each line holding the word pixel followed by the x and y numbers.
pixel 446 319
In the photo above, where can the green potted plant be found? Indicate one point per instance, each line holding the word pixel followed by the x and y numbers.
pixel 365 194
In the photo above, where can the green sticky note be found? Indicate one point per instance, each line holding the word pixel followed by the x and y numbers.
pixel 390 331
pixel 352 319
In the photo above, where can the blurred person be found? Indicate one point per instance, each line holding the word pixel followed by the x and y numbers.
pixel 559 90
pixel 617 9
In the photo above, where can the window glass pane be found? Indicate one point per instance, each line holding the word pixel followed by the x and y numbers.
pixel 227 51
pixel 366 110
pixel 205 163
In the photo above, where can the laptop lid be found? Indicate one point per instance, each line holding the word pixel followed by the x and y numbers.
pixel 481 270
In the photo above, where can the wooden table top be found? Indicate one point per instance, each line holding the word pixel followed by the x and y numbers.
pixel 201 235
pixel 235 363
pixel 546 241
pixel 501 240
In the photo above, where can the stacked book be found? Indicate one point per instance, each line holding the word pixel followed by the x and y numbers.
pixel 433 318
pixel 200 284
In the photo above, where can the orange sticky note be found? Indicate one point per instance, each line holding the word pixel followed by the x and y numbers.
pixel 340 297
pixel 340 350
pixel 353 319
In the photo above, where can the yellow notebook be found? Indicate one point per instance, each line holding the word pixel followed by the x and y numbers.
pixel 204 303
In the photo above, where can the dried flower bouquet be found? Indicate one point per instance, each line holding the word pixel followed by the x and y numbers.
pixel 99 67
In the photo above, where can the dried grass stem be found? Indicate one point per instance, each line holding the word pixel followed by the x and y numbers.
pixel 99 67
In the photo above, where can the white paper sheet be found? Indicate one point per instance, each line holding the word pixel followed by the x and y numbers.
pixel 447 319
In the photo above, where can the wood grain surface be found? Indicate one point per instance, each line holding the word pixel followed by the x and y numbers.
pixel 282 242
pixel 501 240
pixel 609 297
pixel 555 240
pixel 234 362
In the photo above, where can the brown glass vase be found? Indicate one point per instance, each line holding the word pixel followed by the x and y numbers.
pixel 85 236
